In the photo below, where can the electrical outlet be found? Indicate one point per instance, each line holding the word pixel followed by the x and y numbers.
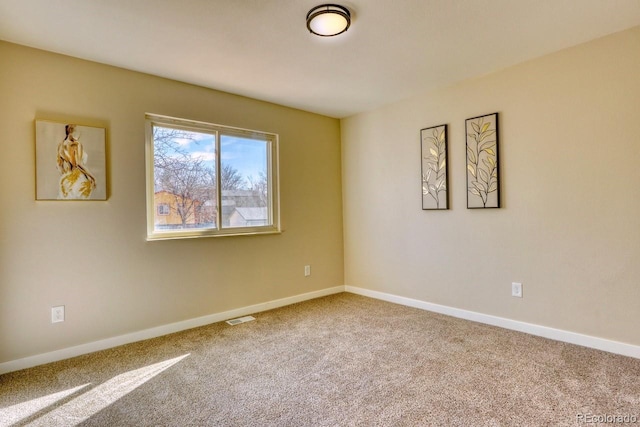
pixel 516 290
pixel 57 314
pixel 307 270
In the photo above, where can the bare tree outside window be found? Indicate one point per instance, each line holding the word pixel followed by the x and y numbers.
pixel 230 178
pixel 260 187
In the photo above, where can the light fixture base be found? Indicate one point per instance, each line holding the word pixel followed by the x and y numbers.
pixel 328 20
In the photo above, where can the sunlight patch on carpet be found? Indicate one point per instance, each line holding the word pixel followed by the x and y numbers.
pixel 15 413
pixel 88 403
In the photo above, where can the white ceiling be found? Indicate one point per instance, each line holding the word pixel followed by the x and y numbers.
pixel 262 49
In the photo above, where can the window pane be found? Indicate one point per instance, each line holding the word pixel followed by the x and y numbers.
pixel 184 179
pixel 244 182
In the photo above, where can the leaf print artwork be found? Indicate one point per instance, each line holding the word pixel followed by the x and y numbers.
pixel 434 167
pixel 483 189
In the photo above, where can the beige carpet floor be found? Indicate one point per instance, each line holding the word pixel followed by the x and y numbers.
pixel 342 360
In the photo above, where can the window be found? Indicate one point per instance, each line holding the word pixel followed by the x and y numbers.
pixel 209 180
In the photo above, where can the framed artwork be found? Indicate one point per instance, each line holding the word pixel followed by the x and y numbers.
pixel 435 185
pixel 70 162
pixel 483 178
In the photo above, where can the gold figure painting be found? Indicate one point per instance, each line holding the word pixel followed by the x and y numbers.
pixel 70 162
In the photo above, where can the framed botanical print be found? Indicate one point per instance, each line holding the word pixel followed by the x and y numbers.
pixel 435 186
pixel 483 175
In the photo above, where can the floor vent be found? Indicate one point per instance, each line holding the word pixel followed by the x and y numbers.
pixel 239 320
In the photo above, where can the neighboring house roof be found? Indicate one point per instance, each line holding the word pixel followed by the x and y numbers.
pixel 166 192
pixel 173 194
pixel 252 214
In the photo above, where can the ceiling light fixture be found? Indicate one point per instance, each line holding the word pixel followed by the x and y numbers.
pixel 328 20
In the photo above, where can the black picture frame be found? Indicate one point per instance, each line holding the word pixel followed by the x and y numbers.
pixel 434 167
pixel 483 165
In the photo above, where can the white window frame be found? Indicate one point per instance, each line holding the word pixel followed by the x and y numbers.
pixel 273 205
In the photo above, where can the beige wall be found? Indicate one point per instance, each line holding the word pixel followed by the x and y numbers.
pixel 570 145
pixel 569 229
pixel 92 256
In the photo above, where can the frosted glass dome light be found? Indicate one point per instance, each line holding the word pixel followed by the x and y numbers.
pixel 328 20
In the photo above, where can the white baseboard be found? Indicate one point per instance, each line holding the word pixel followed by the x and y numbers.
pixel 529 328
pixel 41 359
pixel 542 331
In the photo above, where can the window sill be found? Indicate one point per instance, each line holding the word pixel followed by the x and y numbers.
pixel 196 235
